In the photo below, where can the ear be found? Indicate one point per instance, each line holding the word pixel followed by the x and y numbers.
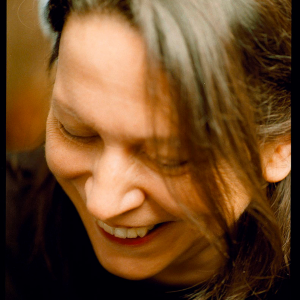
pixel 276 161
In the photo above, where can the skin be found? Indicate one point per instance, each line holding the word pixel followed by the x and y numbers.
pixel 109 170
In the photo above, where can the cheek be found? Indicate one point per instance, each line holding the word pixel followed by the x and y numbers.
pixel 238 199
pixel 240 202
pixel 236 195
pixel 179 196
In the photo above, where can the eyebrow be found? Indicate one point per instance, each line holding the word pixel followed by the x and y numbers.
pixel 173 141
pixel 59 105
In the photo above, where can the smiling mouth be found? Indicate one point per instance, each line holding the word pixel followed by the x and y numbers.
pixel 126 233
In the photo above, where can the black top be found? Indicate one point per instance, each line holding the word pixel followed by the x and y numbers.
pixel 62 265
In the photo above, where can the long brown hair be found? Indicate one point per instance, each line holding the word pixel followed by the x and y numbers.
pixel 227 64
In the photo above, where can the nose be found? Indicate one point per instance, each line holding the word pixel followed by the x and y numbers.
pixel 113 188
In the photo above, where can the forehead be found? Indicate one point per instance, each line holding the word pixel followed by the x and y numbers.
pixel 102 71
pixel 103 48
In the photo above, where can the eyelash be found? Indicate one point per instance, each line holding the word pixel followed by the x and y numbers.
pixel 70 136
pixel 171 167
pixel 173 164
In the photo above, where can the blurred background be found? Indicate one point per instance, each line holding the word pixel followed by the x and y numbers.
pixel 28 85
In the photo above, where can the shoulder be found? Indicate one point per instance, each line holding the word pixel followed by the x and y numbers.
pixel 27 177
pixel 24 169
pixel 28 181
pixel 25 172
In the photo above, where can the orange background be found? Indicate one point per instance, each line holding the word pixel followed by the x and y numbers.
pixel 28 83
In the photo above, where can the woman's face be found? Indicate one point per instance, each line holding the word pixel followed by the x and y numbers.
pixel 99 146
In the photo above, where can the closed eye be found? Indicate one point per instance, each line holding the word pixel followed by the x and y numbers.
pixel 171 163
pixel 172 167
pixel 83 138
pixel 166 165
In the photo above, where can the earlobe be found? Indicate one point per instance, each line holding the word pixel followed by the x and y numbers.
pixel 276 161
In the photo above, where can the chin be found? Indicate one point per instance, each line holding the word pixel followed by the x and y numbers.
pixel 132 272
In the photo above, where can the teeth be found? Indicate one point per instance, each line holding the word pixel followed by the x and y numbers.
pixel 142 231
pixel 123 233
pixel 131 233
pixel 108 229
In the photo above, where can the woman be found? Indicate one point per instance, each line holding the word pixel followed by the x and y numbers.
pixel 169 131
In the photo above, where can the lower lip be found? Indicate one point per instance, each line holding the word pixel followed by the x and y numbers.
pixel 135 241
